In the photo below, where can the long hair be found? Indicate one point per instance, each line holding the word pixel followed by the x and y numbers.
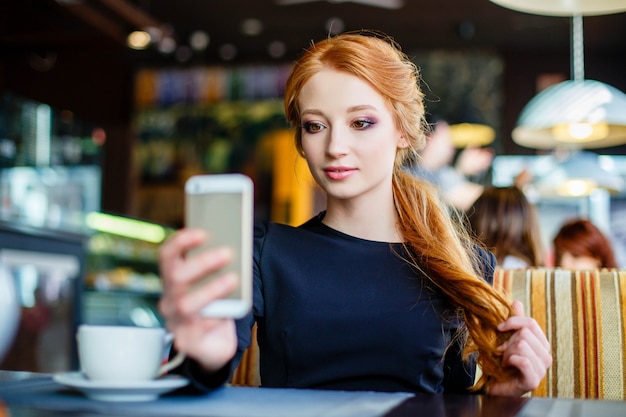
pixel 507 224
pixel 436 243
pixel 580 237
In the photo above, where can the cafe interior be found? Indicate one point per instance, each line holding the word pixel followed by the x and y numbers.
pixel 107 107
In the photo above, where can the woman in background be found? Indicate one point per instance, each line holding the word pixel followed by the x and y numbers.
pixel 503 219
pixel 579 244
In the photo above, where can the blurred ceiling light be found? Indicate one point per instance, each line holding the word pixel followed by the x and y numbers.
pixel 139 39
pixel 578 174
pixel 98 136
pixel 576 187
pixel 199 40
pixel 564 7
pixel 183 53
pixel 251 27
pixel 276 49
pixel 228 52
pixel 580 113
pixel 156 34
pixel 167 45
pixel 471 134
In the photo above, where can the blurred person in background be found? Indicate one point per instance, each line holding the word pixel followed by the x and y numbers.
pixel 505 221
pixel 436 165
pixel 579 244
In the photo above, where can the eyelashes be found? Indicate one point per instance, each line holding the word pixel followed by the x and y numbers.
pixel 312 127
pixel 362 124
pixel 358 124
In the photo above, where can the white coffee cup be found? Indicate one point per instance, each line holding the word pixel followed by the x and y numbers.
pixel 123 353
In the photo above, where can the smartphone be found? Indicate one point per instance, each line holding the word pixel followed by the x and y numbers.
pixel 223 206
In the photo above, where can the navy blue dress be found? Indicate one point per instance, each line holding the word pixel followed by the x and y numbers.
pixel 338 312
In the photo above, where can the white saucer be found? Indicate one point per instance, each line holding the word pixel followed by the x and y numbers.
pixel 121 390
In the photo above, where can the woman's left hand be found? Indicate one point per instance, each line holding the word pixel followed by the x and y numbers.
pixel 527 349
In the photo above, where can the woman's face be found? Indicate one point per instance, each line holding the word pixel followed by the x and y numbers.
pixel 569 261
pixel 349 137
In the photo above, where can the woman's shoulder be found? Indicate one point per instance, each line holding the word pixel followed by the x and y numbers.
pixel 280 232
pixel 264 228
pixel 486 263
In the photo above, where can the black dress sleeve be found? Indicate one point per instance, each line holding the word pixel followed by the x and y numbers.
pixel 201 381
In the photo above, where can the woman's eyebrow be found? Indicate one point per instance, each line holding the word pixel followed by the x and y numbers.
pixel 361 107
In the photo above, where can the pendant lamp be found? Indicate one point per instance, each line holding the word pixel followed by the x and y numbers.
pixel 471 134
pixel 564 7
pixel 577 113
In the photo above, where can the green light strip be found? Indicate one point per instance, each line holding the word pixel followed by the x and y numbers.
pixel 122 226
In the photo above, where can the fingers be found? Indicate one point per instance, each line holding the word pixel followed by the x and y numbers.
pixel 519 321
pixel 187 303
pixel 212 342
pixel 172 252
pixel 527 349
pixel 518 308
pixel 525 345
pixel 179 243
pixel 184 291
pixel 194 268
pixel 532 365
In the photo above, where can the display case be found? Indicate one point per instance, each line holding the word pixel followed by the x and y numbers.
pixel 122 285
pixel 47 267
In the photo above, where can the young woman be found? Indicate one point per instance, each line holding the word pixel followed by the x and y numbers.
pixel 579 244
pixel 507 224
pixel 380 291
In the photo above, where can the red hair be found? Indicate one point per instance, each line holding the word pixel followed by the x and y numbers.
pixel 581 237
pixel 437 245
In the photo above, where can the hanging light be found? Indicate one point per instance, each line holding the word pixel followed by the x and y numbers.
pixel 578 174
pixel 138 39
pixel 586 114
pixel 564 7
pixel 471 134
pixel 581 113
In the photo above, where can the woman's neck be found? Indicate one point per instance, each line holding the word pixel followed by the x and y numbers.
pixel 377 222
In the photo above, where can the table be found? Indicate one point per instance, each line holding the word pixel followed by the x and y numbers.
pixel 25 394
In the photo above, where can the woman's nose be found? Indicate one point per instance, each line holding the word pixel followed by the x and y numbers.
pixel 337 142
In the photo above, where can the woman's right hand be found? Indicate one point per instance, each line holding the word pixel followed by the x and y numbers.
pixel 211 341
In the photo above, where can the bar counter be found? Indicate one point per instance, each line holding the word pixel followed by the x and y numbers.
pixel 37 395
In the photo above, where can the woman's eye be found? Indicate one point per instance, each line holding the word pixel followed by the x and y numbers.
pixel 312 127
pixel 362 123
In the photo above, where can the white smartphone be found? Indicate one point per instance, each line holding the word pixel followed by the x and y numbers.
pixel 223 206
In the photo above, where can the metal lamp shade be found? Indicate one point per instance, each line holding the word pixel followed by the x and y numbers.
pixel 564 7
pixel 583 114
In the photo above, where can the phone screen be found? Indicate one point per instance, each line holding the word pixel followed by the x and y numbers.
pixel 221 205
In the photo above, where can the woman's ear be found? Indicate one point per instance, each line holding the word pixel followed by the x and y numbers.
pixel 402 143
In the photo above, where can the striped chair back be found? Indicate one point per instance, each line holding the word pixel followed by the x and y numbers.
pixel 583 314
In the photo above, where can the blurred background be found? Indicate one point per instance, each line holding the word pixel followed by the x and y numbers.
pixel 108 106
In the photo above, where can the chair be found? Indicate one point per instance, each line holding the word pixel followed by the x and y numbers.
pixel 247 372
pixel 583 315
